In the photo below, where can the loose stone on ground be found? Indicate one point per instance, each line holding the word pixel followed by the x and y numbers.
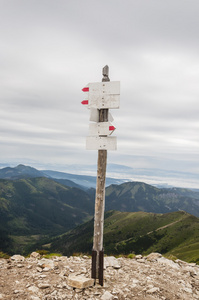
pixel 150 277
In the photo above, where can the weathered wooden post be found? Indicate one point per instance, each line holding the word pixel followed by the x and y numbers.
pixel 101 97
pixel 98 252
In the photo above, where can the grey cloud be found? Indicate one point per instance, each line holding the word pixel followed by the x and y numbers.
pixel 49 50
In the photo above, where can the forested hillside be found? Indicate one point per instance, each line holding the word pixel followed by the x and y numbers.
pixel 36 207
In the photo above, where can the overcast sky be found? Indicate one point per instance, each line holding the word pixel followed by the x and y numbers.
pixel 50 49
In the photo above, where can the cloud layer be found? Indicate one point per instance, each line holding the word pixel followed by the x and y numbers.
pixel 50 49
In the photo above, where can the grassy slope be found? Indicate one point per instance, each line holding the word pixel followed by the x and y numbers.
pixel 138 232
pixel 38 207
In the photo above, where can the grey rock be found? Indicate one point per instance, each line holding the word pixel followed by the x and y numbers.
pixel 153 256
pixel 107 296
pixel 47 279
pixel 44 285
pixel 33 289
pixel 35 255
pixel 138 256
pixel 153 290
pixel 17 258
pixel 111 261
pixel 168 262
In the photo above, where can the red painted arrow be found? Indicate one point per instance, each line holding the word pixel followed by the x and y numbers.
pixel 85 89
pixel 111 128
pixel 84 102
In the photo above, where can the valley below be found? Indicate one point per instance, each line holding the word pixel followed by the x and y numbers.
pixel 39 212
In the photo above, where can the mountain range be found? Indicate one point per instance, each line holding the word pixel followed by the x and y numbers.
pixel 73 180
pixel 138 196
pixel 34 206
pixel 156 177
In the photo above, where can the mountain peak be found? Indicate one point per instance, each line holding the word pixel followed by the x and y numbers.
pixel 21 167
pixel 20 171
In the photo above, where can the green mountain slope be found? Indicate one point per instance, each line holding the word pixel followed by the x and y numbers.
pixel 38 207
pixel 41 206
pixel 137 232
pixel 138 196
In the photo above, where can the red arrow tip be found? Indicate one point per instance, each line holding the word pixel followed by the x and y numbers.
pixel 112 128
pixel 85 89
pixel 84 102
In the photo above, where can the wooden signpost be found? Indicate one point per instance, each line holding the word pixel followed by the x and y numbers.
pixel 101 96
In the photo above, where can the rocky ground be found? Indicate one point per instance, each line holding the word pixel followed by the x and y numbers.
pixel 151 277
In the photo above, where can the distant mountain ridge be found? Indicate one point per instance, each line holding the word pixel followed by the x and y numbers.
pixel 20 171
pixel 139 196
pixel 123 173
pixel 73 180
pixel 34 205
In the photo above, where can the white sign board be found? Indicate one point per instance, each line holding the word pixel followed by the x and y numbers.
pixel 94 115
pixel 101 143
pixel 104 94
pixel 101 128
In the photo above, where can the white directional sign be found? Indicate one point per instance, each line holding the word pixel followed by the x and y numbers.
pixel 101 143
pixel 94 115
pixel 101 129
pixel 102 95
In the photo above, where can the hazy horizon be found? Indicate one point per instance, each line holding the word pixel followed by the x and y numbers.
pixel 49 50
